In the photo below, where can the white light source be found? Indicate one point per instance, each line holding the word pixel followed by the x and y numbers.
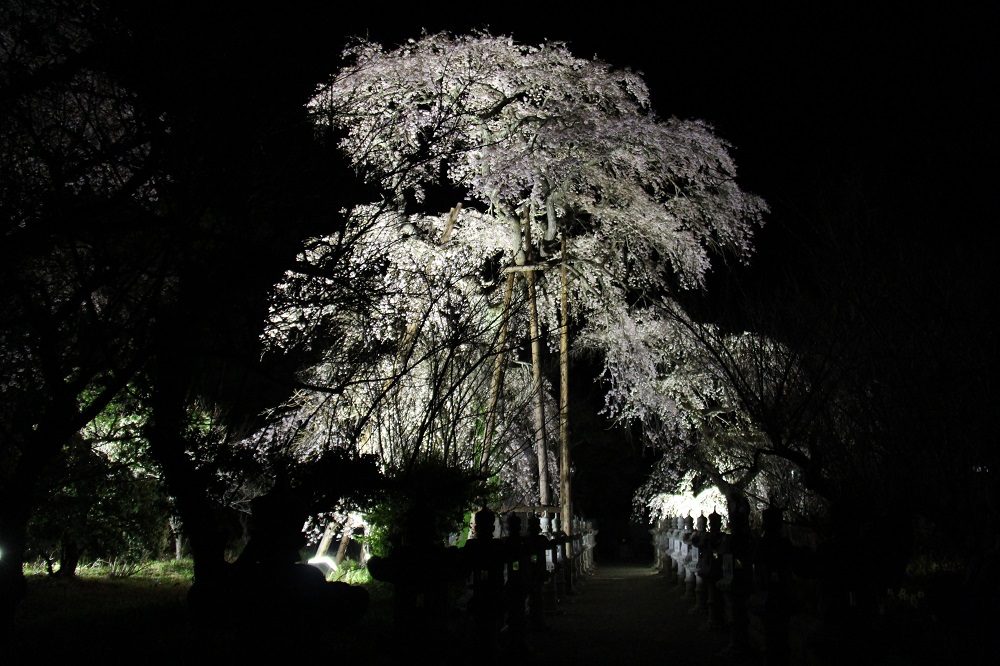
pixel 326 564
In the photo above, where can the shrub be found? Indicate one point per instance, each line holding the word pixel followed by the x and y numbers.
pixel 426 502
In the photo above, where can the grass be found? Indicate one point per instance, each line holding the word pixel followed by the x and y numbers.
pixel 158 570
pixel 144 617
pixel 61 618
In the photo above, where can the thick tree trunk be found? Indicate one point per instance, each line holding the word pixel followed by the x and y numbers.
pixel 207 546
pixel 31 442
pixel 184 481
pixel 14 512
pixel 69 558
pixel 739 525
pixel 17 495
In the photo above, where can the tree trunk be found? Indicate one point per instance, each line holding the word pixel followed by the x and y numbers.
pixel 186 483
pixel 739 525
pixel 69 558
pixel 176 531
pixel 496 384
pixel 14 511
pixel 345 539
pixel 324 544
pixel 17 496
pixel 30 443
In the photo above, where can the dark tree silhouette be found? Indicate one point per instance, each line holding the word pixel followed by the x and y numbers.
pixel 144 223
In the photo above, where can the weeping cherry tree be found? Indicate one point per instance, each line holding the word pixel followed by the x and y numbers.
pixel 517 161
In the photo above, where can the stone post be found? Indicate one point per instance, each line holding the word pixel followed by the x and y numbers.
pixel 536 546
pixel 576 550
pixel 702 560
pixel 738 550
pixel 517 559
pixel 773 569
pixel 484 558
pixel 546 522
pixel 678 552
pixel 669 567
pixel 716 600
pixel 660 541
pixel 591 545
pixel 690 554
pixel 566 557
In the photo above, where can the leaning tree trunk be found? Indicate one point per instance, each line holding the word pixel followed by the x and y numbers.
pixel 324 543
pixel 496 384
pixel 345 540
pixel 407 346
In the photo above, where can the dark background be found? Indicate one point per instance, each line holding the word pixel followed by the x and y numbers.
pixel 871 124
pixel 889 108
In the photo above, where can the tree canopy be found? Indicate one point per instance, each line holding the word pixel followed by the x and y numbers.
pixel 486 153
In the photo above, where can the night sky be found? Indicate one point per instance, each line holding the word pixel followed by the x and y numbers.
pixel 898 100
pixel 902 97
pixel 896 104
pixel 895 100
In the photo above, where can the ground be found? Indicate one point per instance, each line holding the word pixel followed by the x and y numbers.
pixel 622 613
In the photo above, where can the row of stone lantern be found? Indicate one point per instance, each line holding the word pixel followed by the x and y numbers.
pixel 692 553
pixel 720 571
pixel 568 557
pixel 539 569
pixel 512 581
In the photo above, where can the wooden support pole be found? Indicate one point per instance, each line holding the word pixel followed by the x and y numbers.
pixel 565 480
pixel 544 492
